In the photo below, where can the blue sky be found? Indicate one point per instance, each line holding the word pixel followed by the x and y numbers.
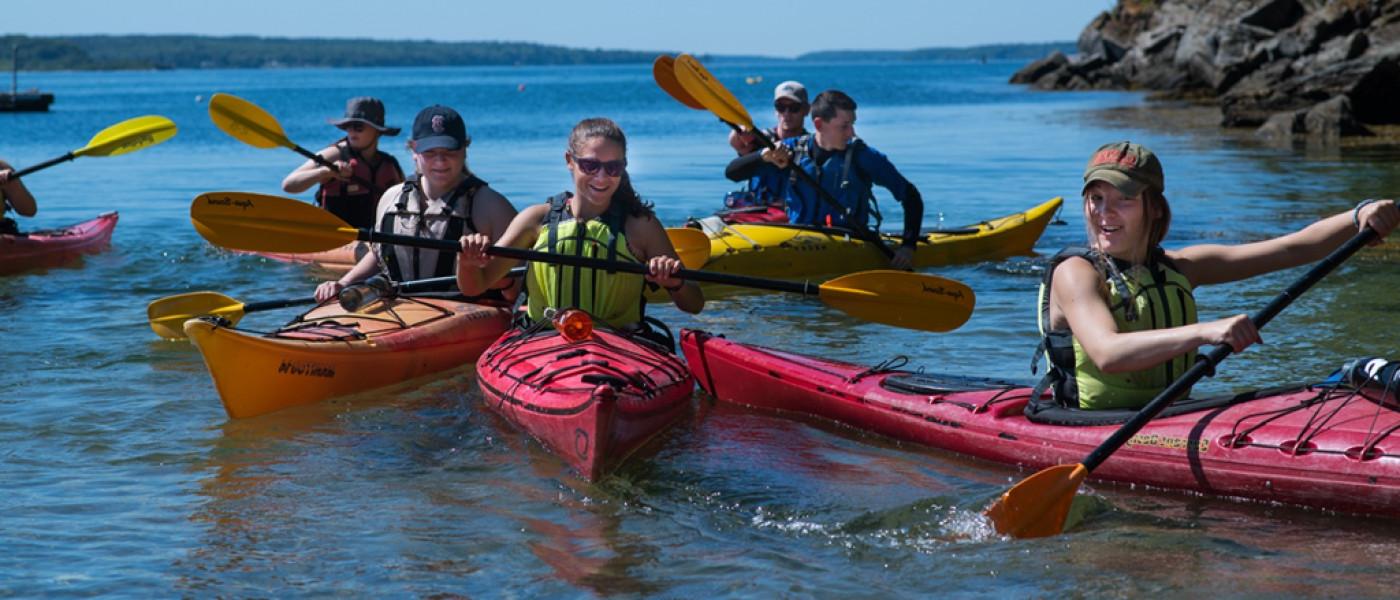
pixel 770 27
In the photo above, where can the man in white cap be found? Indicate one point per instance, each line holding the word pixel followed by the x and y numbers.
pixel 791 107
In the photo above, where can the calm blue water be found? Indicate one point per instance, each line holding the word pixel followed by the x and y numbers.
pixel 124 477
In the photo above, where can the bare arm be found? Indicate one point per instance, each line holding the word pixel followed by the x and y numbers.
pixel 14 192
pixel 1215 263
pixel 477 271
pixel 1076 294
pixel 310 173
pixel 649 241
pixel 364 269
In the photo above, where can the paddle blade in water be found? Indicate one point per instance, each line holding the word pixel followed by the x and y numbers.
pixel 168 315
pixel 129 136
pixel 901 299
pixel 247 122
pixel 262 223
pixel 1037 506
pixel 692 246
pixel 663 70
pixel 704 88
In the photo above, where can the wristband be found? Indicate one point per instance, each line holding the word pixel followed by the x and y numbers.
pixel 1356 214
pixel 674 289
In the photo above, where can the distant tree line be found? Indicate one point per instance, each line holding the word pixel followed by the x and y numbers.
pixel 985 52
pixel 118 52
pixel 103 52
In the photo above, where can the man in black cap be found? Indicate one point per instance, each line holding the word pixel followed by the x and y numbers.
pixel 362 173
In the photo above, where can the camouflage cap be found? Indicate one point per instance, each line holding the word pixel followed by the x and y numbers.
pixel 1127 166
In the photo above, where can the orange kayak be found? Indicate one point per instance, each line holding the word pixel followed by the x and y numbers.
pixel 330 352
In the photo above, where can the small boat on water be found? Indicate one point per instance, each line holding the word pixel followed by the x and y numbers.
pixel 28 101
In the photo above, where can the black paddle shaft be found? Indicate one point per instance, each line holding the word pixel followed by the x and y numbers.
pixel 805 288
pixel 43 165
pixel 1206 365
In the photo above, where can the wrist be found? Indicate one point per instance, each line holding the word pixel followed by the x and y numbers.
pixel 1356 214
pixel 675 288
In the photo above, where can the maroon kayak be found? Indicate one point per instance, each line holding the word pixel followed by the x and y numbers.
pixel 1323 445
pixel 591 402
pixel 54 247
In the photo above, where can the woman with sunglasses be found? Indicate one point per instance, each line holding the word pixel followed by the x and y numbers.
pixel 362 172
pixel 602 218
pixel 444 200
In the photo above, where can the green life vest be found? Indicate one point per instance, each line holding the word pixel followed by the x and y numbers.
pixel 611 297
pixel 1146 297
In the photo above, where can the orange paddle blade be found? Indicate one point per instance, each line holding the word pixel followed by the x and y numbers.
pixel 1037 506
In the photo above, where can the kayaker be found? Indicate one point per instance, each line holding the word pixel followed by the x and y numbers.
pixel 604 212
pixel 846 167
pixel 13 196
pixel 362 171
pixel 1119 319
pixel 790 106
pixel 443 200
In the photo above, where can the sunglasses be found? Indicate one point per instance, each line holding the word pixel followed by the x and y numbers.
pixel 352 127
pixel 590 166
pixel 787 107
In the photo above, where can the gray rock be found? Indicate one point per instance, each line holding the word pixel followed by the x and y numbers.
pixel 1279 65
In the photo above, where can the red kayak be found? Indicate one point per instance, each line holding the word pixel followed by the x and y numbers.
pixel 1323 445
pixel 53 247
pixel 592 402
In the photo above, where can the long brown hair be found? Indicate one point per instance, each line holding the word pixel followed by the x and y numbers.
pixel 1155 202
pixel 600 127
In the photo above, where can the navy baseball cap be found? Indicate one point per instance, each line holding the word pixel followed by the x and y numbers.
pixel 439 127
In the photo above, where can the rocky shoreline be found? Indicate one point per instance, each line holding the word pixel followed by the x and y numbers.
pixel 1288 68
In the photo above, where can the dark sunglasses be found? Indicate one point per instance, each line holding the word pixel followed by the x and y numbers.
pixel 787 107
pixel 590 166
pixel 356 126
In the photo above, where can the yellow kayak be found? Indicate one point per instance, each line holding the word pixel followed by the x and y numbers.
pixel 330 352
pixel 787 251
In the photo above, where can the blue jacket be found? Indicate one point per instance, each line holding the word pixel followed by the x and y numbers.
pixel 852 188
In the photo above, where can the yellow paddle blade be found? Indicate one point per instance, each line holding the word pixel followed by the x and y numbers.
pixel 262 223
pixel 247 122
pixel 1037 506
pixel 129 136
pixel 664 72
pixel 901 299
pixel 692 245
pixel 168 315
pixel 709 92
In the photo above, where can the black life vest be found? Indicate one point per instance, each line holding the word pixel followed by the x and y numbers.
pixel 350 199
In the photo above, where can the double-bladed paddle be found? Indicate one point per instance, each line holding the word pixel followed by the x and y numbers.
pixel 250 124
pixel 1038 505
pixel 168 315
pixel 127 136
pixel 261 223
